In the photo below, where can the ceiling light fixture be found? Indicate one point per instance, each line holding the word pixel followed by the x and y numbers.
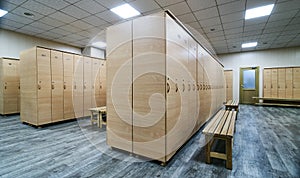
pixel 259 11
pixel 125 11
pixel 99 44
pixel 2 12
pixel 249 45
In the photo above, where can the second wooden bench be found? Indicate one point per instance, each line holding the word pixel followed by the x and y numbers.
pixel 220 127
pixel 232 104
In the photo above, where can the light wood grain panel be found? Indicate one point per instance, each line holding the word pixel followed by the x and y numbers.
pixel 267 82
pixel 281 83
pixel 149 85
pixel 87 85
pixel 289 82
pixel 78 86
pixel 68 86
pixel 102 91
pixel 229 79
pixel 119 60
pixel 95 82
pixel 274 83
pixel 296 82
pixel 57 71
pixel 44 86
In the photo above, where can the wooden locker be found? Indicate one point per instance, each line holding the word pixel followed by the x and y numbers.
pixel 274 83
pixel 68 86
pixel 200 83
pixel 289 82
pixel 87 85
pixel 229 79
pixel 78 86
pixel 102 91
pixel 296 82
pixel 119 78
pixel 44 86
pixel 281 83
pixel 57 72
pixel 9 86
pixel 267 82
pixel 95 82
pixel 149 85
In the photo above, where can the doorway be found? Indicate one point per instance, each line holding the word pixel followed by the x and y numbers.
pixel 249 84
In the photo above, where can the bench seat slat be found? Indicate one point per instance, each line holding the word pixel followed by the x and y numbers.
pixel 221 124
pixel 209 129
pixel 227 124
pixel 232 123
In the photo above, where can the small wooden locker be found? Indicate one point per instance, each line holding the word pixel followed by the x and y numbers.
pixel 296 82
pixel 229 83
pixel 87 85
pixel 78 86
pixel 68 86
pixel 102 99
pixel 267 82
pixel 9 86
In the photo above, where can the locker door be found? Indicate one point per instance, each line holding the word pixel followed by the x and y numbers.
pixel 102 91
pixel 149 83
pixel 193 97
pixel 95 82
pixel 289 82
pixel 200 81
pixel 78 86
pixel 296 82
pixel 44 86
pixel 274 83
pixel 267 83
pixel 68 86
pixel 119 77
pixel 87 85
pixel 281 83
pixel 57 85
pixel 228 78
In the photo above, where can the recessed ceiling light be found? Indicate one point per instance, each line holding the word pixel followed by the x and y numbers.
pixel 125 11
pixel 2 12
pixel 249 45
pixel 259 11
pixel 29 14
pixel 99 44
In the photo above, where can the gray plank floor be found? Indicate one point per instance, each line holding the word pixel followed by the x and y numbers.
pixel 266 144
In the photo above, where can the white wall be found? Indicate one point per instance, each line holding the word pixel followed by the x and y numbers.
pixel 94 52
pixel 12 43
pixel 285 57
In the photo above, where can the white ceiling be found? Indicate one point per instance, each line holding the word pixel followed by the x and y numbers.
pixel 76 22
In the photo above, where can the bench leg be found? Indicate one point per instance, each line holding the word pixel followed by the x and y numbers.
pixel 100 120
pixel 229 153
pixel 209 140
pixel 92 122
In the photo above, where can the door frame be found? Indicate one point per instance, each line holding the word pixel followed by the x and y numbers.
pixel 241 82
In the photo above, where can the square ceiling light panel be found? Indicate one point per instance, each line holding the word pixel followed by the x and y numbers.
pixel 125 11
pixel 249 45
pixel 259 11
pixel 2 12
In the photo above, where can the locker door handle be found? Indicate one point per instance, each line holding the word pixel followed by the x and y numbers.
pixel 194 87
pixel 183 87
pixel 5 87
pixel 189 87
pixel 278 86
pixel 74 86
pixel 52 86
pixel 271 86
pixel 39 87
pixel 168 87
pixel 198 87
pixel 285 86
pixel 93 87
pixel 19 87
pixel 176 86
pixel 84 87
pixel 264 86
pixel 44 55
pixel 65 86
pixel 100 86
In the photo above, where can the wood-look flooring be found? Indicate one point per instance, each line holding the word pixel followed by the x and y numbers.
pixel 266 144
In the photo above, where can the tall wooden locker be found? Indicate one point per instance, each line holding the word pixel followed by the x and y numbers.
pixel 35 81
pixel 289 82
pixel 68 86
pixel 9 86
pixel 95 82
pixel 274 83
pixel 296 82
pixel 152 102
pixel 102 99
pixel 57 71
pixel 281 83
pixel 229 82
pixel 87 85
pixel 78 86
pixel 267 82
pixel 119 80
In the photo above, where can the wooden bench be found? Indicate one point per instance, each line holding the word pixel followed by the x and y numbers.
pixel 267 101
pixel 98 111
pixel 232 104
pixel 220 127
